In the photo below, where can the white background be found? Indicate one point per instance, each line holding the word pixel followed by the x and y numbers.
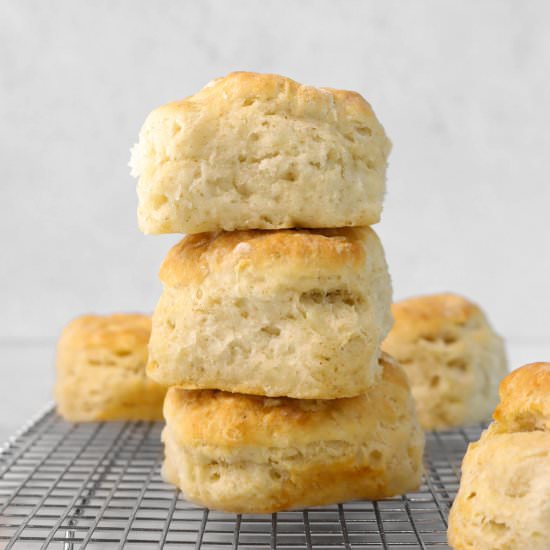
pixel 462 87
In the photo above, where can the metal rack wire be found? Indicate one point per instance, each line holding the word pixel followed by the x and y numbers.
pixel 93 486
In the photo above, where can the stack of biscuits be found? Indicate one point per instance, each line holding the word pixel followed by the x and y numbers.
pixel 277 300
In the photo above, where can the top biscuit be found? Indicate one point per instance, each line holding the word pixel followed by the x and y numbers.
pixel 259 151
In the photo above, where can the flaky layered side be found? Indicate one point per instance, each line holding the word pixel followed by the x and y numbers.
pixel 504 497
pixel 452 356
pixel 100 370
pixel 260 151
pixel 298 313
pixel 247 454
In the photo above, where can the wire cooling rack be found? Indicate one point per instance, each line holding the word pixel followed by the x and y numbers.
pixel 93 486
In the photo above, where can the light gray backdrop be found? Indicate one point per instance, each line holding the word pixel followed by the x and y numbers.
pixel 461 86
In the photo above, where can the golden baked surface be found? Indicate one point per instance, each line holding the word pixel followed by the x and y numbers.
pixel 504 497
pixel 295 313
pixel 525 399
pixel 294 252
pixel 233 419
pixel 433 312
pixel 260 151
pixel 453 358
pixel 100 370
pixel 247 454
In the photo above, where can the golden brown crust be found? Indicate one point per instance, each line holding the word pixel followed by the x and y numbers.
pixel 247 86
pixel 433 310
pixel 119 332
pixel 231 419
pixel 195 256
pixel 525 399
pixel 101 370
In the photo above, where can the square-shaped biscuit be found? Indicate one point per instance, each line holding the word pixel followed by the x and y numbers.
pixel 248 454
pixel 453 357
pixel 101 370
pixel 260 151
pixel 298 313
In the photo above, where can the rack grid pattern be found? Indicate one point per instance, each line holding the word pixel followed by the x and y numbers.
pixel 69 486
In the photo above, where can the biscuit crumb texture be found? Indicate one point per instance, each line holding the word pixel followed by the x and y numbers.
pixel 259 151
pixel 246 454
pixel 100 370
pixel 298 313
pixel 453 357
pixel 503 502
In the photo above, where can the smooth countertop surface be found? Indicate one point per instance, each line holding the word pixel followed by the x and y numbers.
pixel 28 377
